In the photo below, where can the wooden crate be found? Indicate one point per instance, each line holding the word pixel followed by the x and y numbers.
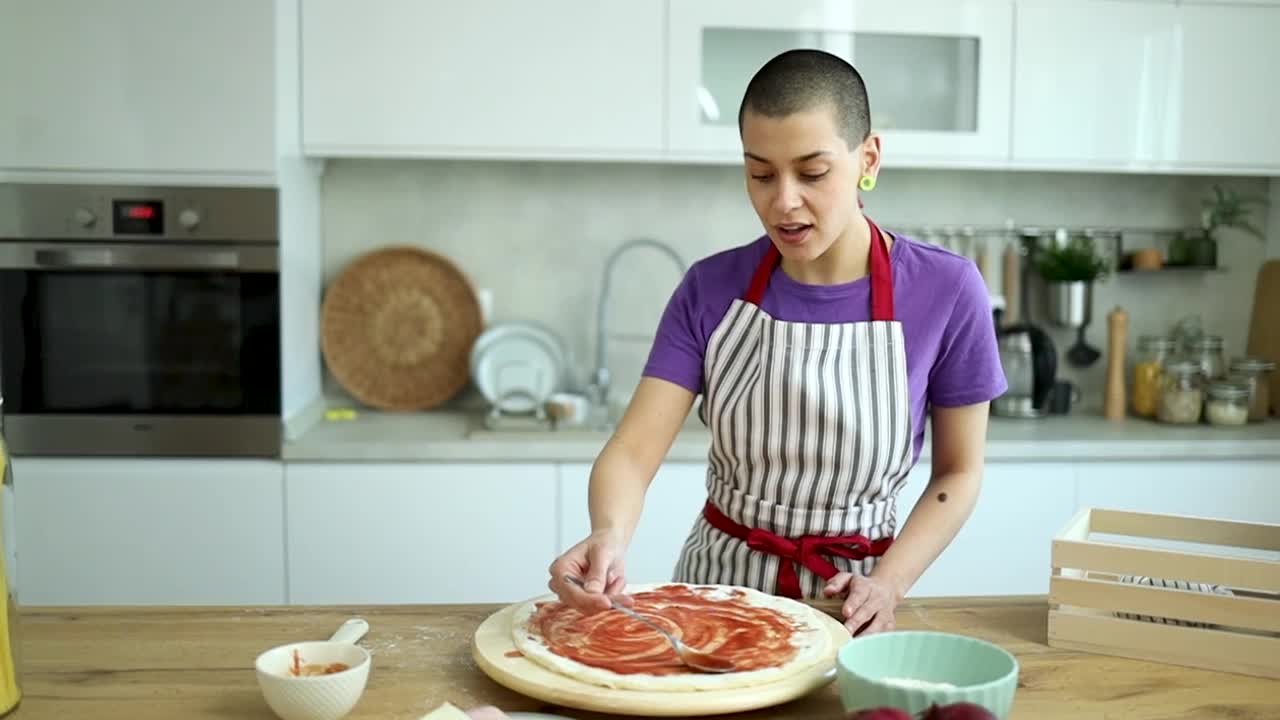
pixel 1238 633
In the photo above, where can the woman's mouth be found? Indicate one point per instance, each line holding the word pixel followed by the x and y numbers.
pixel 793 233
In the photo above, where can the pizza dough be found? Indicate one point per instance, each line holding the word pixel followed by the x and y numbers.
pixel 770 638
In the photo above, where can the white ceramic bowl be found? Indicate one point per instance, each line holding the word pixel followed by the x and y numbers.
pixel 320 697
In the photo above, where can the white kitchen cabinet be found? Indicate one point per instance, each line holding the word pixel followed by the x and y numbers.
pixel 1093 82
pixel 150 87
pixel 1230 68
pixel 149 532
pixel 672 504
pixel 1142 84
pixel 419 532
pixel 1003 548
pixel 562 78
pixel 937 71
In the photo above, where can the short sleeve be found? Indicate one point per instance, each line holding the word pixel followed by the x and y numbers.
pixel 678 345
pixel 967 369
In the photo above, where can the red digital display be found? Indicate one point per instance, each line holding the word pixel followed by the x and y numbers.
pixel 138 217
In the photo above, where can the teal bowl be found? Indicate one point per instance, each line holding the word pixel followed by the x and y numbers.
pixel 981 673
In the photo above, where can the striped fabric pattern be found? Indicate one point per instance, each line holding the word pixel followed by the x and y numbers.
pixel 811 435
pixel 1175 585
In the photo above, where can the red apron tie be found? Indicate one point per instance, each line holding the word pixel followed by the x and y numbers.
pixel 877 266
pixel 807 550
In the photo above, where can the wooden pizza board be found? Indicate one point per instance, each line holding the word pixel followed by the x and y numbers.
pixel 492 643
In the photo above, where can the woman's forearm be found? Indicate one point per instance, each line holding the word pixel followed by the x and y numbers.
pixel 625 467
pixel 934 521
pixel 615 496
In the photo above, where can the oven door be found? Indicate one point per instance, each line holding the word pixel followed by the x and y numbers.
pixel 140 349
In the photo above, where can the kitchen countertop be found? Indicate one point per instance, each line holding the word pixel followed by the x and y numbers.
pixel 197 664
pixel 460 436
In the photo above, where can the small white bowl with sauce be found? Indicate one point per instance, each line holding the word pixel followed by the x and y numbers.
pixel 319 680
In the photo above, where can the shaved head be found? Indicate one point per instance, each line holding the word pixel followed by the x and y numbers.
pixel 805 80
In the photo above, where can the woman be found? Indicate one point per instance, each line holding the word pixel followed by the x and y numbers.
pixel 818 350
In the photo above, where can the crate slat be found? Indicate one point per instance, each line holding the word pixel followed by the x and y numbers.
pixel 1169 564
pixel 1192 647
pixel 1191 605
pixel 1184 528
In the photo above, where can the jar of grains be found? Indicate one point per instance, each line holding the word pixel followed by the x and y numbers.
pixel 1181 392
pixel 1153 352
pixel 1256 373
pixel 1208 350
pixel 1227 403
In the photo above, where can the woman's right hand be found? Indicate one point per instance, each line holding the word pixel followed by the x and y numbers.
pixel 598 562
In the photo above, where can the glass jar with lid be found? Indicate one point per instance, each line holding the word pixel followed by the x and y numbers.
pixel 1153 352
pixel 1207 349
pixel 1227 403
pixel 1181 392
pixel 1256 373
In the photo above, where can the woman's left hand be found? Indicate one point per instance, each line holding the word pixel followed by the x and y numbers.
pixel 869 601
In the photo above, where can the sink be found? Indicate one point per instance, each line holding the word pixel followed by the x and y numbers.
pixel 598 431
pixel 527 428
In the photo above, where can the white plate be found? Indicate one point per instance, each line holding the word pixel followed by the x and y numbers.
pixel 517 366
pixel 535 716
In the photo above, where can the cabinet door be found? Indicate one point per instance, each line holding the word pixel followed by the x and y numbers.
pixel 1093 82
pixel 937 71
pixel 418 532
pixel 1230 70
pixel 149 532
pixel 555 78
pixel 137 86
pixel 671 506
pixel 1004 547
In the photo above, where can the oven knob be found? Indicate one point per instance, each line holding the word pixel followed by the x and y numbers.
pixel 189 218
pixel 85 217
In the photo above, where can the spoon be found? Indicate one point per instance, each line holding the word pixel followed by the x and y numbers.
pixel 695 659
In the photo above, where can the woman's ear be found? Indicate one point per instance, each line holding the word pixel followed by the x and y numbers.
pixel 869 156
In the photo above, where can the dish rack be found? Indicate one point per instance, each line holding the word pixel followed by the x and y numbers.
pixel 1190 604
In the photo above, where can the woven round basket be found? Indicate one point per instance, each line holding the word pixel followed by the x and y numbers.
pixel 397 326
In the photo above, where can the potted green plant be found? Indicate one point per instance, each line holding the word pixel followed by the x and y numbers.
pixel 1069 268
pixel 1226 209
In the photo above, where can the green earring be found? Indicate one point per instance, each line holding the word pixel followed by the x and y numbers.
pixel 867 183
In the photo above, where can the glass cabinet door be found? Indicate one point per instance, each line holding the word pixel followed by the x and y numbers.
pixel 937 71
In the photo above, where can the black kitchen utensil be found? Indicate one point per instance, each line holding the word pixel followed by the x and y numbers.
pixel 1082 354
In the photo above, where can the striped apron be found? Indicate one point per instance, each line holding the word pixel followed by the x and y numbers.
pixel 810 443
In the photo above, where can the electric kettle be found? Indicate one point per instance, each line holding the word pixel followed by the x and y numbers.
pixel 1030 363
pixel 10 689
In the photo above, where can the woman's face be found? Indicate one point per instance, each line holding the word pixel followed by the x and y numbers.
pixel 802 179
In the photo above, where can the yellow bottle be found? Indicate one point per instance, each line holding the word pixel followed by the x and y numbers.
pixel 10 689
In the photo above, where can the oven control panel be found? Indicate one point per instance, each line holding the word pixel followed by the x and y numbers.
pixel 147 213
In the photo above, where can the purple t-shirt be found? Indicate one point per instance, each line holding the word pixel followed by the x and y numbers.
pixel 939 297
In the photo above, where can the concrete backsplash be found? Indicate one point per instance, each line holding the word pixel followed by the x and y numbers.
pixel 537 236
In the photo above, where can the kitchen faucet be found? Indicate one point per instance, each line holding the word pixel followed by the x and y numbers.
pixel 601 379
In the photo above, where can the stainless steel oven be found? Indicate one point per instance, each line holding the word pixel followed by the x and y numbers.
pixel 140 320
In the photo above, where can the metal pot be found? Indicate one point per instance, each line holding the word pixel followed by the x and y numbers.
pixel 1070 304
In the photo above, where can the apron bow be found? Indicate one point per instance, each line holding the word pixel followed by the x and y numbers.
pixel 807 550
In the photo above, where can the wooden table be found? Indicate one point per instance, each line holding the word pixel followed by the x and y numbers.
pixel 197 663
